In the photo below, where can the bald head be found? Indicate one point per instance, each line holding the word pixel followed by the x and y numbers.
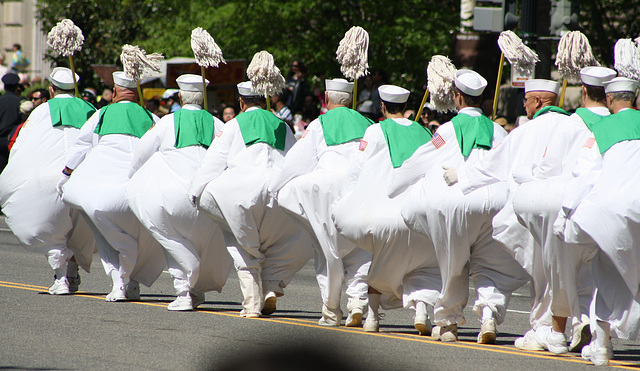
pixel 534 101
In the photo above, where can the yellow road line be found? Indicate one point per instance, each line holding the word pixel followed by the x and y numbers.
pixel 388 335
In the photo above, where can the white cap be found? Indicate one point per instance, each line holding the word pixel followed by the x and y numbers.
pixel 596 76
pixel 120 79
pixel 191 82
pixel 429 106
pixel 470 82
pixel 246 89
pixel 339 85
pixel 620 84
pixel 62 78
pixel 169 92
pixel 393 94
pixel 542 85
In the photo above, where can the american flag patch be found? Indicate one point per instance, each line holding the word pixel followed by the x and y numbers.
pixel 219 134
pixel 590 142
pixel 363 145
pixel 305 133
pixel 438 141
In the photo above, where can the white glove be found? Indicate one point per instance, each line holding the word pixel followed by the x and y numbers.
pixel 61 181
pixel 560 223
pixel 450 175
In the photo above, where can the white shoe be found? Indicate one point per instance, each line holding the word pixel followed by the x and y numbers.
pixel 133 291
pixel 528 341
pixel 581 337
pixel 488 332
pixel 354 319
pixel 372 323
pixel 422 324
pixel 182 303
pixel 447 334
pixel 197 299
pixel 74 283
pixel 118 293
pixel 555 342
pixel 60 286
pixel 330 317
pixel 597 356
pixel 270 301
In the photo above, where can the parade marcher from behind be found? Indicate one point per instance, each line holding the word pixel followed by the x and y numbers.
pixel 165 160
pixel 35 213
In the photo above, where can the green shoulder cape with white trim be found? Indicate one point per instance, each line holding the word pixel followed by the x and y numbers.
pixel 403 140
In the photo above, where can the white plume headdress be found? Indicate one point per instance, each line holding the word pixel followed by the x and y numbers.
pixel 205 49
pixel 137 64
pixel 65 38
pixel 520 56
pixel 441 74
pixel 627 59
pixel 264 75
pixel 352 53
pixel 574 53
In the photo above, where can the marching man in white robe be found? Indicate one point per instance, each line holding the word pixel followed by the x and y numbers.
pixel 231 187
pixel 404 264
pixel 165 160
pixel 609 216
pixel 311 180
pixel 537 202
pixel 460 225
pixel 515 158
pixel 95 179
pixel 35 213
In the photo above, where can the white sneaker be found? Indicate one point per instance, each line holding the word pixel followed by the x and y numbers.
pixel 488 332
pixel 269 306
pixel 597 356
pixel 182 303
pixel 60 286
pixel 372 323
pixel 581 337
pixel 422 324
pixel 447 334
pixel 354 319
pixel 331 317
pixel 197 299
pixel 528 341
pixel 555 342
pixel 133 291
pixel 118 293
pixel 74 283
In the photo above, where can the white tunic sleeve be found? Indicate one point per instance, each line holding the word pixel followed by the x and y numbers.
pixel 85 142
pixel 585 174
pixel 301 159
pixel 215 160
pixel 494 167
pixel 371 143
pixel 150 143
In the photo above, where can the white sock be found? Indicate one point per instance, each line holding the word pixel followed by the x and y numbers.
pixel 72 269
pixel 421 308
pixel 601 334
pixel 487 313
pixel 374 304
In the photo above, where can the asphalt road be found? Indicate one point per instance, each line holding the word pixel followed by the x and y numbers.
pixel 45 332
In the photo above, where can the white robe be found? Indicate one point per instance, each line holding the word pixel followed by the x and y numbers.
pixel 610 215
pixel 516 157
pixel 311 180
pixel 404 264
pixel 194 246
pixel 459 226
pixel 35 213
pixel 537 202
pixel 232 183
pixel 97 186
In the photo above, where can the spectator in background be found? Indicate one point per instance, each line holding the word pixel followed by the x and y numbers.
pixel 364 104
pixel 378 77
pixel 428 118
pixel 280 109
pixel 153 105
pixel 19 62
pixel 171 100
pixel 90 95
pixel 9 114
pixel 105 99
pixel 34 99
pixel 297 85
pixel 410 114
pixel 311 109
pixel 39 96
pixel 228 113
